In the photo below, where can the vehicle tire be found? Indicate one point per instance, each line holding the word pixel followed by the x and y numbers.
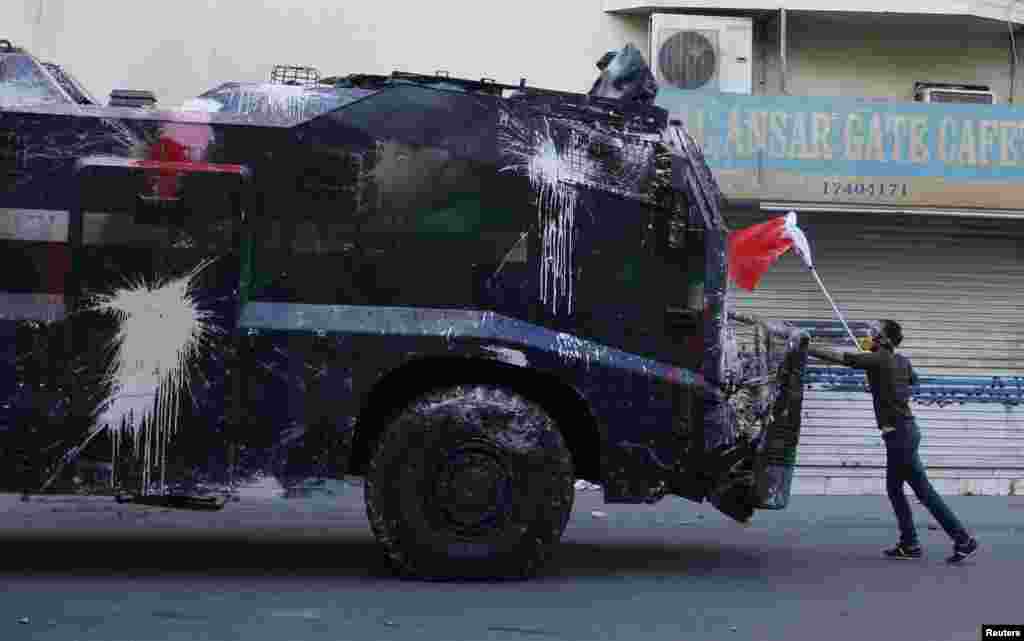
pixel 470 482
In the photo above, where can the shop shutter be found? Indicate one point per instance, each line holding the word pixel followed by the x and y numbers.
pixel 957 287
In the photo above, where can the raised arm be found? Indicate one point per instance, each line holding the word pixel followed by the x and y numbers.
pixel 857 360
pixel 826 354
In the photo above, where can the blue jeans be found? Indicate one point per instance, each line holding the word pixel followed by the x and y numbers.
pixel 903 465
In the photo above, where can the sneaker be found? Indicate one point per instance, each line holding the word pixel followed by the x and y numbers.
pixel 962 551
pixel 903 551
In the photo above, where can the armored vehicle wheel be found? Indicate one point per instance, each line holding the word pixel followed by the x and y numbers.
pixel 474 482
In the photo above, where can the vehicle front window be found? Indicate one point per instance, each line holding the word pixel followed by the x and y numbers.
pixel 22 83
pixel 70 84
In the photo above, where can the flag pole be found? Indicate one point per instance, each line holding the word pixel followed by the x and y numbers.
pixel 803 250
pixel 836 309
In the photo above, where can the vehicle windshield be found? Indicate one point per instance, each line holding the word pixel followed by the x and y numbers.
pixel 24 83
pixel 70 84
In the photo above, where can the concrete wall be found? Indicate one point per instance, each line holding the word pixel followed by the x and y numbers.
pixel 882 56
pixel 181 49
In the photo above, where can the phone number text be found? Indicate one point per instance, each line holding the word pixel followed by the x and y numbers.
pixel 876 190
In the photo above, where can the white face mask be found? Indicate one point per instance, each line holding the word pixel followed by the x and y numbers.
pixel 879 339
pixel 874 335
pixel 874 328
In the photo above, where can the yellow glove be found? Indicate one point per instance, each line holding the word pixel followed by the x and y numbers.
pixel 865 343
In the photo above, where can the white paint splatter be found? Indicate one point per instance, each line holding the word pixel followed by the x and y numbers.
pixel 570 347
pixel 510 356
pixel 730 350
pixel 547 170
pixel 161 331
pixel 206 105
pixel 287 101
pixel 263 487
pixel 554 178
pixel 556 173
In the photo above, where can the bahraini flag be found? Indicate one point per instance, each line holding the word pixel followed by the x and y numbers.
pixel 752 250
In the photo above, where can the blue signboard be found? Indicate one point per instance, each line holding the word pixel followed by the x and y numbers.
pixel 841 149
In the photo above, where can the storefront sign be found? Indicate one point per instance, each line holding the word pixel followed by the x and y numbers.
pixel 855 152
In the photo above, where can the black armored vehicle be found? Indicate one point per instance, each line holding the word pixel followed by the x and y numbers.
pixel 469 293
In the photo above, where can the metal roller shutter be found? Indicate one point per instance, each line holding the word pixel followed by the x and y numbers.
pixel 957 287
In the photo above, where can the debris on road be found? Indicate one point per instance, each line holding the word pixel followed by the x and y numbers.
pixel 519 629
pixel 23 620
pixel 598 514
pixel 299 614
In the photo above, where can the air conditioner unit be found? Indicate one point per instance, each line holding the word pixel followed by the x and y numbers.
pixel 964 94
pixel 707 53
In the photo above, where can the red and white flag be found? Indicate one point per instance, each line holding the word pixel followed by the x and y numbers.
pixel 752 250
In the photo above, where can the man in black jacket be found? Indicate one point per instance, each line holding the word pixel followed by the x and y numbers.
pixel 891 377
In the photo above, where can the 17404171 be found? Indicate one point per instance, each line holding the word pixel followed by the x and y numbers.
pixel 868 189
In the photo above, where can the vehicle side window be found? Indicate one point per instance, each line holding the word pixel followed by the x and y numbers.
pixel 22 83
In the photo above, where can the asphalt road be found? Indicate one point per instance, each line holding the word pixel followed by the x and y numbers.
pixel 308 569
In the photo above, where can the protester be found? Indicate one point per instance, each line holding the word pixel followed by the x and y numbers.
pixel 891 378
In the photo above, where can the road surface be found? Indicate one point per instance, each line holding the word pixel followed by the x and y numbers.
pixel 87 569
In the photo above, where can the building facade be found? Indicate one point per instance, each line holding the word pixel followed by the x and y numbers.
pixel 914 205
pixel 895 139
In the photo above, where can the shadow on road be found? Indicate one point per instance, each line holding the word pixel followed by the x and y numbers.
pixel 93 555
pixel 682 559
pixel 333 556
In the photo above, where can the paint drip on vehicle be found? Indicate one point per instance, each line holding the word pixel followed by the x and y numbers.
pixel 555 181
pixel 161 331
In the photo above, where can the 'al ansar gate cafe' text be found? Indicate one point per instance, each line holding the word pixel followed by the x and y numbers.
pixel 853 152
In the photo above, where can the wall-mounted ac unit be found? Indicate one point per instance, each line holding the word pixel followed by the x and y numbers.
pixel 706 53
pixel 964 94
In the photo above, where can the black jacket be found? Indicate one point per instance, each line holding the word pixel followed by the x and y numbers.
pixel 890 377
